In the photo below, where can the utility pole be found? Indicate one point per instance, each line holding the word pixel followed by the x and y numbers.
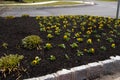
pixel 117 13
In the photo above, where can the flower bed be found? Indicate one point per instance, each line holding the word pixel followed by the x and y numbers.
pixel 49 44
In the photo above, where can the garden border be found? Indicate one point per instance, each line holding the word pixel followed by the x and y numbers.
pixel 85 72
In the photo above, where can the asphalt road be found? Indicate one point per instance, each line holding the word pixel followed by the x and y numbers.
pixel 99 9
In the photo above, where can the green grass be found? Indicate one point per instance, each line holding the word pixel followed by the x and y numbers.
pixel 31 1
pixel 8 2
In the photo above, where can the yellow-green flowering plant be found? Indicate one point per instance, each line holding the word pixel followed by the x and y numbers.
pixel 113 45
pixel 91 50
pixel 48 46
pixel 36 61
pixel 49 36
pixel 89 41
pixel 66 38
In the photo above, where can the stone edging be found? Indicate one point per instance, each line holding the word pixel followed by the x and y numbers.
pixel 85 72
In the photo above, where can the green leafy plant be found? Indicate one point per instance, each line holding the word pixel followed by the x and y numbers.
pixel 103 48
pixel 52 58
pixel 110 40
pixel 5 45
pixel 67 57
pixel 74 45
pixel 31 42
pixel 62 46
pixel 10 63
pixel 79 53
pixel 48 46
pixel 36 61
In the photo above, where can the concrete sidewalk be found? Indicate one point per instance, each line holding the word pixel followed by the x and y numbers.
pixel 115 76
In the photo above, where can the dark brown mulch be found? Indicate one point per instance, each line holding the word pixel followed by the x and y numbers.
pixel 12 31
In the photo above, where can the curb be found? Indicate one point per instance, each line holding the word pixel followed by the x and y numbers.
pixel 85 72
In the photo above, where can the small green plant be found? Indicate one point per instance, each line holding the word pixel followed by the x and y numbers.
pixel 62 46
pixel 74 45
pixel 48 46
pixel 5 45
pixel 31 42
pixel 52 58
pixel 98 40
pixel 57 32
pixel 25 15
pixel 103 48
pixel 67 57
pixel 110 40
pixel 10 63
pixel 79 53
pixel 36 61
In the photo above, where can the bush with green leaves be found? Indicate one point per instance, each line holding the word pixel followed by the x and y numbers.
pixel 31 42
pixel 10 63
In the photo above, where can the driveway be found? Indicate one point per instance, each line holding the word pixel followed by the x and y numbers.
pixel 99 9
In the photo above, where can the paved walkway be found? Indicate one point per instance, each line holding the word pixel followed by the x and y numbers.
pixel 115 76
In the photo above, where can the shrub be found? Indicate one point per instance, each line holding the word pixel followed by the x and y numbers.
pixel 31 42
pixel 25 15
pixel 10 63
pixel 9 17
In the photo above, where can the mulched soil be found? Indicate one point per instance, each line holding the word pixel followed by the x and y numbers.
pixel 12 31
